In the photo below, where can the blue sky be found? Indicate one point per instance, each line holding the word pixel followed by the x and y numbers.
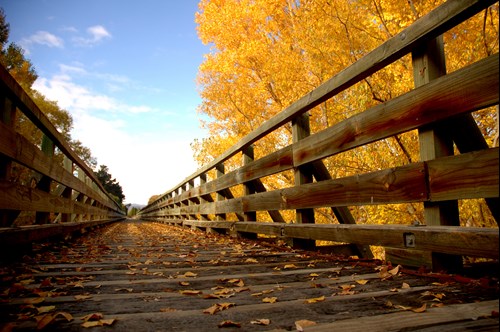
pixel 126 71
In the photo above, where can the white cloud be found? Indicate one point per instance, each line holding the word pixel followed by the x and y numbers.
pixel 96 33
pixel 41 38
pixel 144 163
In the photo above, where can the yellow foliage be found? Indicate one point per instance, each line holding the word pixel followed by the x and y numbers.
pixel 266 54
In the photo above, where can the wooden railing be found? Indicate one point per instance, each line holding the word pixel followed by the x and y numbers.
pixel 59 193
pixel 437 181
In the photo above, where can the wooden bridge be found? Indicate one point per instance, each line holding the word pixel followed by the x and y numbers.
pixel 201 257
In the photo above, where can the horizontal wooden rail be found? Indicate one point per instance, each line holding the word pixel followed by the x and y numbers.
pixel 470 241
pixel 443 103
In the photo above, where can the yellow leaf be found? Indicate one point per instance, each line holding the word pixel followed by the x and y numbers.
pixel 362 281
pixel 251 260
pixel 315 300
pixel 301 324
pixel 290 266
pixel 46 309
pixel 270 299
pixel 190 292
pixel 92 323
pixel 261 322
pixel 420 309
pixel 189 275
pixel 314 275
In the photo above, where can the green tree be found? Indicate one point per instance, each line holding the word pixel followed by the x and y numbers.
pixel 110 184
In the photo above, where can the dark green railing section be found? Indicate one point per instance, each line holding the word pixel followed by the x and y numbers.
pixel 438 180
pixel 45 188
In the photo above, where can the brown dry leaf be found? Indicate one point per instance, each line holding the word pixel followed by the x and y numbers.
pixel 189 275
pixel 290 266
pixel 405 286
pixel 270 299
pixel 218 307
pixel 43 321
pixel 92 316
pixel 362 281
pixel 184 283
pixel 229 323
pixel 395 270
pixel 261 322
pixel 107 322
pixel 190 292
pixel 301 324
pixel 251 260
pixel 92 323
pixel 402 307
pixel 438 305
pixel 388 304
pixel 35 300
pixel 46 282
pixel 130 290
pixel 45 309
pixel 315 300
pixel 421 309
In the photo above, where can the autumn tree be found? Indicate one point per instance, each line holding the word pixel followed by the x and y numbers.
pixel 110 184
pixel 265 54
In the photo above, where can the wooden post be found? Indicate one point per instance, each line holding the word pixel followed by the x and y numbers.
pixel 68 192
pixel 7 117
pixel 429 64
pixel 303 175
pixel 219 197
pixel 203 180
pixel 45 182
pixel 248 187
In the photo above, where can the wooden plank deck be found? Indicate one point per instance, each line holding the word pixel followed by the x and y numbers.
pixel 142 276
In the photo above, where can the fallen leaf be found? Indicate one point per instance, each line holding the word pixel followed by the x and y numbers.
pixel 362 281
pixel 92 316
pixel 189 275
pixel 314 275
pixel 405 286
pixel 46 309
pixel 251 260
pixel 190 292
pixel 107 322
pixel 438 305
pixel 261 322
pixel 395 270
pixel 184 283
pixel 35 300
pixel 315 300
pixel 421 309
pixel 93 323
pixel 218 307
pixel 229 323
pixel 301 324
pixel 290 266
pixel 82 297
pixel 270 299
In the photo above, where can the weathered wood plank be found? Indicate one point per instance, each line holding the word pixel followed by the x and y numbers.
pixel 482 242
pixel 469 175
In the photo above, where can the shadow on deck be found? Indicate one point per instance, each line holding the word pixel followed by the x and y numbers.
pixel 144 276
